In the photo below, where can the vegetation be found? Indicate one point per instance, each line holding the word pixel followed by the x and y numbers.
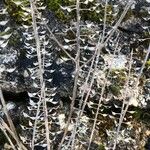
pixel 85 67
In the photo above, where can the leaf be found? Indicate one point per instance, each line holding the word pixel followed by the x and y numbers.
pixel 66 8
pixel 23 139
pixel 53 94
pixel 32 94
pixel 1 42
pixel 44 145
pixel 25 14
pixel 46 42
pixel 26 9
pixel 131 112
pixel 10 70
pixel 17 2
pixel 25 26
pixel 114 113
pixel 49 80
pixel 51 100
pixel 30 124
pixel 66 47
pixel 104 115
pixel 32 103
pixel 91 48
pixel 116 106
pixel 3 45
pixel 25 115
pixel 89 25
pixel 23 127
pixel 51 71
pixel 42 8
pixel 3 23
pixel 6 36
pixel 48 64
pixel 148 1
pixel 7 29
pixel 35 85
pixel 4 11
pixel 25 74
pixel 35 63
pixel 67 41
pixel 65 58
pixel 110 116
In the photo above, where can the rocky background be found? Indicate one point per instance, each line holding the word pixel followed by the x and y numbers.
pixel 20 85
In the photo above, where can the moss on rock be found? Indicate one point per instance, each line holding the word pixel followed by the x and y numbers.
pixel 18 11
pixel 118 79
pixel 92 11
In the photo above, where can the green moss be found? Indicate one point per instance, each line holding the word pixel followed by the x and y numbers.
pixel 18 12
pixel 14 40
pixel 60 15
pixel 118 76
pixel 142 115
pixel 95 15
pixel 115 89
pixel 148 63
pixel 101 147
pixel 55 6
pixel 137 114
pixel 118 80
pixel 128 15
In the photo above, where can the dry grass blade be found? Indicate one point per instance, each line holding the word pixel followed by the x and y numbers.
pixel 10 122
pixel 7 136
pixel 77 69
pixel 124 110
pixel 42 84
pixel 101 95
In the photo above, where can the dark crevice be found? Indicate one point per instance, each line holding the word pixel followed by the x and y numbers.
pixel 21 97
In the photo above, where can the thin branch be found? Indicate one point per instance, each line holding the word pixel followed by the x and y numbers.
pixel 7 136
pixel 99 46
pixel 123 111
pixel 77 62
pixel 52 36
pixel 101 95
pixel 124 101
pixel 41 71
